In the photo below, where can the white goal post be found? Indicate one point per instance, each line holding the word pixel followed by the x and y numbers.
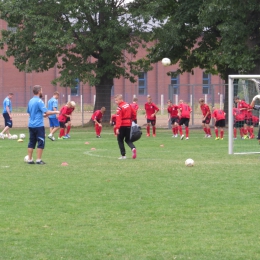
pixel 231 102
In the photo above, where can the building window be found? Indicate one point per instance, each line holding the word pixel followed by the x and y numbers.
pixel 76 88
pixel 205 83
pixel 142 83
pixel 175 84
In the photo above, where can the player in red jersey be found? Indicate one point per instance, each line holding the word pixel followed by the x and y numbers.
pixel 184 111
pixel 64 114
pixel 150 113
pixel 97 119
pixel 68 120
pixel 219 116
pixel 173 117
pixel 135 106
pixel 206 117
pixel 239 121
pixel 256 107
pixel 113 122
pixel 124 117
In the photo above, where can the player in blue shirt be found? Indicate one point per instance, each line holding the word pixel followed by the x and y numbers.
pixel 53 120
pixel 7 114
pixel 37 111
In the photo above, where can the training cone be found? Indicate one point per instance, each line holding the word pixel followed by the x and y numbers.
pixel 20 140
pixel 87 143
pixel 64 164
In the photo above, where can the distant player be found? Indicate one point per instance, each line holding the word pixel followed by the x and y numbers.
pixel 113 122
pixel 150 113
pixel 97 119
pixel 68 120
pixel 239 121
pixel 63 116
pixel 219 116
pixel 256 107
pixel 53 120
pixel 206 117
pixel 184 111
pixel 249 122
pixel 173 117
pixel 135 106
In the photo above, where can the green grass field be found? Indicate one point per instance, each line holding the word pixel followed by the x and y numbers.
pixel 154 207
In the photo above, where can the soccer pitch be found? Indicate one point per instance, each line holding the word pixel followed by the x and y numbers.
pixel 153 207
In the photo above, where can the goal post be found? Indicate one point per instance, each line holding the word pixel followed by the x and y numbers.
pixel 231 79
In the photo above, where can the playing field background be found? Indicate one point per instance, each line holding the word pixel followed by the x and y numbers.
pixel 154 207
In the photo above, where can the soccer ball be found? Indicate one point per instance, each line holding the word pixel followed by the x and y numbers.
pixel 166 62
pixel 73 103
pixel 26 158
pixel 22 136
pixel 14 137
pixel 189 162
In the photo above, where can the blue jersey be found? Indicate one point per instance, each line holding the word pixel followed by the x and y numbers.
pixel 52 103
pixel 36 109
pixel 7 103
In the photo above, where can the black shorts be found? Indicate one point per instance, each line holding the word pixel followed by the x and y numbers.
pixel 249 121
pixel 220 123
pixel 239 124
pixel 67 120
pixel 184 121
pixel 152 122
pixel 174 120
pixel 62 124
pixel 37 134
pixel 8 121
pixel 206 120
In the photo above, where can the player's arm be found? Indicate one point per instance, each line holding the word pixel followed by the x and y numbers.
pixel 9 112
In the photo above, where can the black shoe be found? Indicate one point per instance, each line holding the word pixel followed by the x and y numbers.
pixel 98 136
pixel 32 162
pixel 40 162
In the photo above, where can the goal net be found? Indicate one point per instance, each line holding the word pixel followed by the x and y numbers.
pixel 242 137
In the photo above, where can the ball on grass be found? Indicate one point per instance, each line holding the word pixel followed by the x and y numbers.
pixel 189 162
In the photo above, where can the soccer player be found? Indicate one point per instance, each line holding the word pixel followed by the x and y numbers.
pixel 206 117
pixel 150 113
pixel 53 120
pixel 68 120
pixel 256 107
pixel 135 106
pixel 7 114
pixel 97 119
pixel 65 113
pixel 37 111
pixel 219 116
pixel 124 117
pixel 173 117
pixel 184 111
pixel 239 121
pixel 113 122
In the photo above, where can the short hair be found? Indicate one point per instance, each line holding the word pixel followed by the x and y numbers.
pixel 169 101
pixel 56 93
pixel 201 100
pixel 135 99
pixel 36 89
pixel 119 96
pixel 237 97
pixel 10 93
pixel 149 96
pixel 103 109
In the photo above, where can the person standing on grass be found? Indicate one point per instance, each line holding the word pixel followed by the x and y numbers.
pixel 97 119
pixel 37 111
pixel 206 117
pixel 68 120
pixel 124 117
pixel 256 107
pixel 239 121
pixel 150 113
pixel 53 120
pixel 173 117
pixel 113 122
pixel 135 106
pixel 7 114
pixel 63 117
pixel 184 111
pixel 219 116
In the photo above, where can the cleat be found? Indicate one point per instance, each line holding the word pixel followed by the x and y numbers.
pixel 64 137
pixel 176 136
pixel 51 137
pixel 68 135
pixel 209 136
pixel 148 135
pixel 154 135
pixel 235 138
pixel 173 136
pixel 222 138
pixel 122 158
pixel 187 138
pixel 217 138
pixel 32 162
pixel 40 162
pixel 133 153
pixel 60 138
pixel 245 137
pixel 98 136
pixel 206 136
pixel 182 137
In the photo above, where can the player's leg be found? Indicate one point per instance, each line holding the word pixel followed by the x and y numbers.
pixel 62 130
pixel 120 141
pixel 31 144
pixel 216 130
pixel 153 122
pixel 148 127
pixel 129 143
pixel 187 128
pixel 41 144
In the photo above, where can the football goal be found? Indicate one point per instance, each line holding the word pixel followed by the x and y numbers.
pixel 245 87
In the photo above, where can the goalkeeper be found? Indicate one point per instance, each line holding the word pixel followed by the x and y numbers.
pixel 256 107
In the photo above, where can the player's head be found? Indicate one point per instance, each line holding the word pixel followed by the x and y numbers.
pixel 103 110
pixel 181 101
pixel 169 102
pixel 118 98
pixel 201 101
pixel 10 95
pixel 73 104
pixel 236 99
pixel 149 99
pixel 68 104
pixel 56 94
pixel 37 90
pixel 135 99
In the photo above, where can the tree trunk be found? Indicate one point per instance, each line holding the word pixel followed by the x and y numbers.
pixel 103 97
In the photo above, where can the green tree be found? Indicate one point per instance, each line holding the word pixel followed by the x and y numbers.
pixel 86 39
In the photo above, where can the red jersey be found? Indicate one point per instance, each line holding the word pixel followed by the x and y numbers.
pixel 97 115
pixel 205 110
pixel 173 110
pixel 242 105
pixel 185 110
pixel 134 106
pixel 70 110
pixel 113 118
pixel 219 114
pixel 125 114
pixel 249 114
pixel 150 108
pixel 238 115
pixel 64 111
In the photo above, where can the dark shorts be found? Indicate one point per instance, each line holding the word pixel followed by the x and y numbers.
pixel 184 121
pixel 37 134
pixel 220 123
pixel 67 120
pixel 239 124
pixel 174 120
pixel 54 122
pixel 249 121
pixel 206 120
pixel 62 124
pixel 8 121
pixel 152 122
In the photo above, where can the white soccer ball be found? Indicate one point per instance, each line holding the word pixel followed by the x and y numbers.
pixel 73 103
pixel 26 158
pixel 189 162
pixel 22 136
pixel 166 62
pixel 14 137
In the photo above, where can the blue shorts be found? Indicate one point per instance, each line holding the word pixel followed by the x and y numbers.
pixel 8 121
pixel 54 122
pixel 37 134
